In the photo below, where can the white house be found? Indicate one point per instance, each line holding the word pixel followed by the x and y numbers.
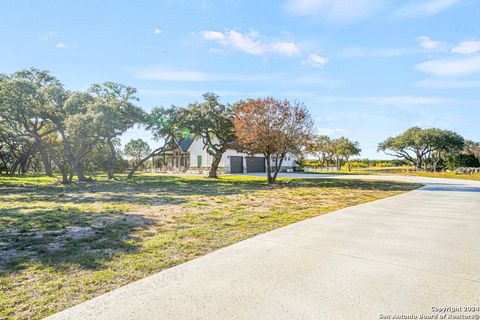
pixel 191 155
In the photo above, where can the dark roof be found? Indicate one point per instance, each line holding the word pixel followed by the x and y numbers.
pixel 232 145
pixel 185 144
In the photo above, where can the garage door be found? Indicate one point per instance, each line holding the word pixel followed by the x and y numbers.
pixel 236 164
pixel 255 164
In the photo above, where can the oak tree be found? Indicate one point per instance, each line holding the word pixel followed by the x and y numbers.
pixel 116 104
pixel 212 121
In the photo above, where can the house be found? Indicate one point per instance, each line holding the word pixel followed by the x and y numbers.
pixel 191 155
pixel 176 157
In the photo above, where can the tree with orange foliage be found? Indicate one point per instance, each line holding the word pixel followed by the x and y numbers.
pixel 273 128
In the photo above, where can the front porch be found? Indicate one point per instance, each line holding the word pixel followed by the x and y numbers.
pixel 172 161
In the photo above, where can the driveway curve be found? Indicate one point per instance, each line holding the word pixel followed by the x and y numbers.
pixel 410 255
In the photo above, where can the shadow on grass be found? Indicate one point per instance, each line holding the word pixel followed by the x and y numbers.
pixel 61 235
pixel 63 238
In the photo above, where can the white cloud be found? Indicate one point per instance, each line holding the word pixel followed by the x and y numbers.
pixel 46 36
pixel 428 43
pixel 448 84
pixel 451 66
pixel 288 48
pixel 425 7
pixel 157 31
pixel 315 60
pixel 213 35
pixel 335 11
pixel 467 47
pixel 250 43
pixel 162 74
pixel 61 45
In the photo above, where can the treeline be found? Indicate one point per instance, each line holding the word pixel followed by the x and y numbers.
pixel 360 163
pixel 46 128
pixel 331 152
pixel 430 149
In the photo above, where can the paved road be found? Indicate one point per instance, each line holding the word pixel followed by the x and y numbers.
pixel 402 255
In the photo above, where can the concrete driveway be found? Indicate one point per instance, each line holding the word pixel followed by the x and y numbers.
pixel 403 256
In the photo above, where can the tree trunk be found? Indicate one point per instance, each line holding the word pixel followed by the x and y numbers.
pixel 135 167
pixel 214 167
pixel 111 159
pixel 142 161
pixel 70 176
pixel 348 164
pixel 45 159
pixel 269 169
pixel 78 169
pixel 64 176
pixel 63 170
pixel 28 164
pixel 435 164
pixel 62 167
pixel 76 162
pixel 337 163
pixel 278 166
pixel 14 168
pixel 417 163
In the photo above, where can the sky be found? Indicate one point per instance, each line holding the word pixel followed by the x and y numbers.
pixel 366 69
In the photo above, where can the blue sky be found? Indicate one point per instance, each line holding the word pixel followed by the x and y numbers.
pixel 365 69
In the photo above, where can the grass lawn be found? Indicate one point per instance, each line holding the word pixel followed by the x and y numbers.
pixel 449 175
pixel 400 172
pixel 61 245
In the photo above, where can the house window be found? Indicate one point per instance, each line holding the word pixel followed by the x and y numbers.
pixel 182 162
pixel 199 161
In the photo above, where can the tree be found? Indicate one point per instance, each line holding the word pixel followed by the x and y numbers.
pixel 335 146
pixel 320 146
pixel 423 147
pixel 213 122
pixel 137 149
pixel 78 126
pixel 59 157
pixel 442 144
pixel 163 123
pixel 39 117
pixel 273 128
pixel 347 149
pixel 403 145
pixel 115 102
pixel 98 159
pixel 27 98
pixel 16 152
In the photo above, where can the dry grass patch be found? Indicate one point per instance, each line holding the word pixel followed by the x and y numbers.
pixel 405 172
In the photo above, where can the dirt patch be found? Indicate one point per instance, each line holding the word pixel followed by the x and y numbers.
pixel 77 233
